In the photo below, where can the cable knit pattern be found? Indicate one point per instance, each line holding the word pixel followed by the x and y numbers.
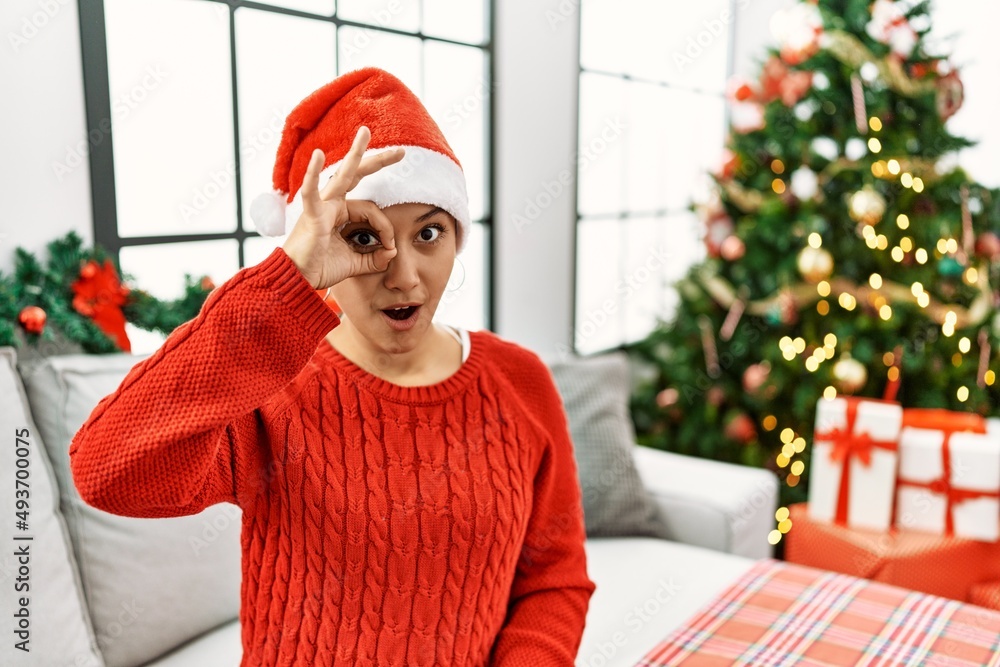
pixel 382 524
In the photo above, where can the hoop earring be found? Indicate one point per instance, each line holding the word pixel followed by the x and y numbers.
pixel 454 289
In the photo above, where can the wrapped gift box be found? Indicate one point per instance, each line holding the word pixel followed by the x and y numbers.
pixel 947 566
pixel 949 475
pixel 852 476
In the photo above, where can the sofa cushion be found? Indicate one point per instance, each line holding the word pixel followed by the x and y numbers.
pixel 220 647
pixel 645 590
pixel 595 394
pixel 150 584
pixel 58 622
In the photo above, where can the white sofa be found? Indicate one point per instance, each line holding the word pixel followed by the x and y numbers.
pixel 117 592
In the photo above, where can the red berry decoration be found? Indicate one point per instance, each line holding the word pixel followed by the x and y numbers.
pixel 988 245
pixel 741 429
pixel 32 318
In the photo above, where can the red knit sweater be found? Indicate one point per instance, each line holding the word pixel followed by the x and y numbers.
pixel 382 524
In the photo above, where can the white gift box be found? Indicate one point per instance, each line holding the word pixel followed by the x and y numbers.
pixel 871 487
pixel 973 466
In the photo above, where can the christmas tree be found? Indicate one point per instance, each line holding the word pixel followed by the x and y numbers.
pixel 847 252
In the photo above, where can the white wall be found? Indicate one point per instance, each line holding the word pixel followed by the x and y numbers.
pixel 536 134
pixel 42 128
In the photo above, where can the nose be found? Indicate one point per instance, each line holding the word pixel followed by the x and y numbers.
pixel 401 275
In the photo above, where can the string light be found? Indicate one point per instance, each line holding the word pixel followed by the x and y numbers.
pixel 799 445
pixel 781 460
pixel 812 364
pixel 830 393
pixel 893 374
pixel 773 537
pixel 882 241
pixel 888 358
pixel 920 255
pixel 918 185
pixel 906 179
pixel 965 344
pixel 815 240
pixel 798 468
pixel 956 359
pixel 822 307
pixel 906 243
pixel 963 394
pixel 875 123
pixel 875 280
pixel 781 514
pixel 777 166
pixel 902 221
pixel 893 166
pixel 878 169
pixel 942 246
pixel 898 254
pixel 823 288
pixel 770 423
pixel 778 185
pixel 990 377
pixel 847 302
pixel 971 275
pixel 874 145
pixel 830 339
pixel 885 312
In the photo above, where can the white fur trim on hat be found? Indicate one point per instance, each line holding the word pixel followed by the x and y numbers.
pixel 423 176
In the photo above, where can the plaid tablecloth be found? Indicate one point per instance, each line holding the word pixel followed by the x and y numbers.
pixel 780 613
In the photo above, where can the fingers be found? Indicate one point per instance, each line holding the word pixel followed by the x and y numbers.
pixel 368 166
pixel 343 180
pixel 310 184
pixel 359 210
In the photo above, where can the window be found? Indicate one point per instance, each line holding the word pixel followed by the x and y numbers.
pixel 651 124
pixel 186 100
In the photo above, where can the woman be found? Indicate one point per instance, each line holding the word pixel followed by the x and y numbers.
pixel 404 503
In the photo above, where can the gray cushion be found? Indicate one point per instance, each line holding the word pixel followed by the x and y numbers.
pixel 150 584
pixel 59 627
pixel 595 392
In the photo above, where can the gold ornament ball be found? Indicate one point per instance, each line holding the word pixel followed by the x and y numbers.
pixel 850 375
pixel 815 264
pixel 867 206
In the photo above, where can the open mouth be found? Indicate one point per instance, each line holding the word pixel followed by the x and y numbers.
pixel 400 313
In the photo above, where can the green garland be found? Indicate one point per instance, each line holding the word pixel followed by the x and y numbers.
pixel 50 288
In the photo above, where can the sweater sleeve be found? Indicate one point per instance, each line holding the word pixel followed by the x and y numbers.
pixel 551 591
pixel 184 429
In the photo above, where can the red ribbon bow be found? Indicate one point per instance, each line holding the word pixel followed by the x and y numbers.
pixel 99 295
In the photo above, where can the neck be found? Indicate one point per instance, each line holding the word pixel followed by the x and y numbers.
pixel 384 363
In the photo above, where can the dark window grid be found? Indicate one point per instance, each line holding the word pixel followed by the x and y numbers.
pixel 97 94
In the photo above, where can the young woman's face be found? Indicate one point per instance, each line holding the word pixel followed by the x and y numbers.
pixel 425 238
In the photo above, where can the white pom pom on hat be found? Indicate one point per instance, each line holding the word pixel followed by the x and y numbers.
pixel 329 118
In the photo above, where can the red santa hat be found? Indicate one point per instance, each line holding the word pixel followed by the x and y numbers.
pixel 329 118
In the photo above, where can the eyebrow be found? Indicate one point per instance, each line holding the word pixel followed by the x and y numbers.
pixel 434 211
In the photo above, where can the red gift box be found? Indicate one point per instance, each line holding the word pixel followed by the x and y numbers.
pixel 936 564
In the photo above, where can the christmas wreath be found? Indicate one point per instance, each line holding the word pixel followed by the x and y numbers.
pixel 82 298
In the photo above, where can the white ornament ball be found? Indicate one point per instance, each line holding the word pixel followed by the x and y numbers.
pixel 805 183
pixel 855 148
pixel 825 147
